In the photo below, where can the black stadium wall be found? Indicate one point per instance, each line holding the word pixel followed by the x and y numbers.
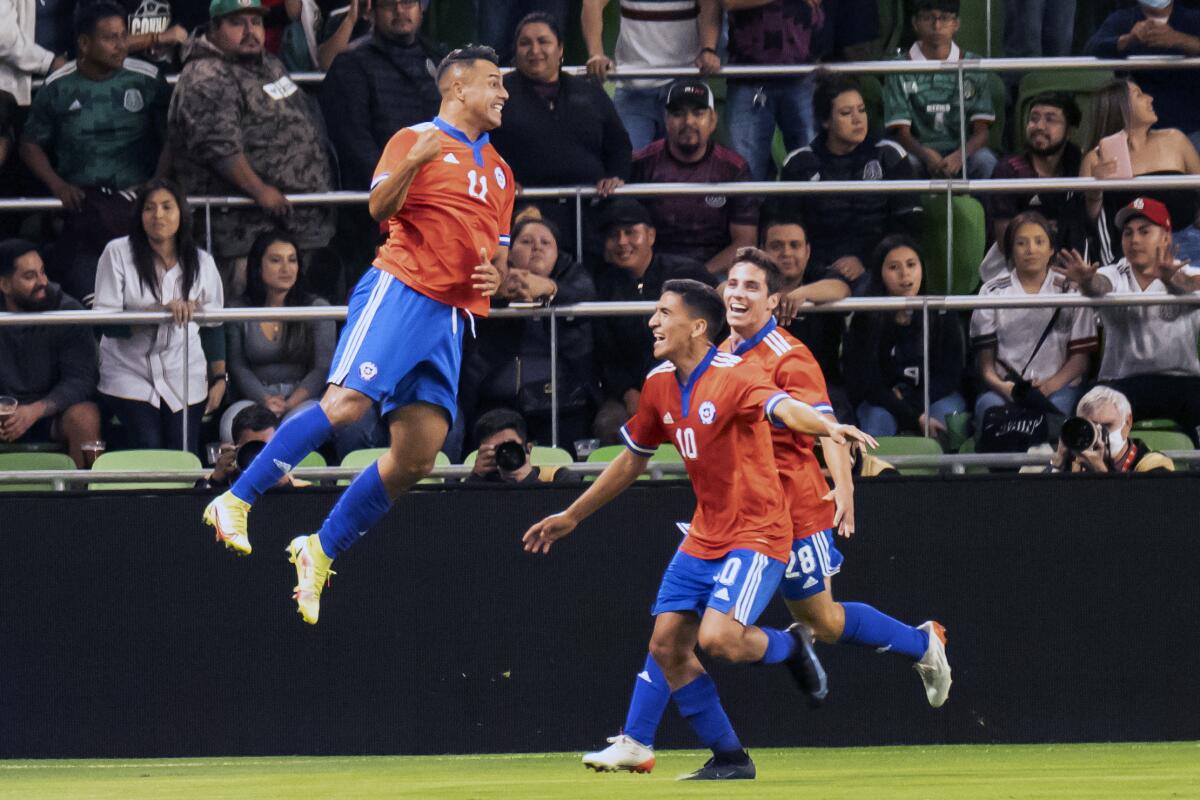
pixel 126 631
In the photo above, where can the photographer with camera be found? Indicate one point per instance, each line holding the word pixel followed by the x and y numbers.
pixel 1097 440
pixel 504 449
pixel 252 428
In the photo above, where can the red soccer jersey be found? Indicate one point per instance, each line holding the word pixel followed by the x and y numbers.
pixel 718 422
pixel 458 203
pixel 794 369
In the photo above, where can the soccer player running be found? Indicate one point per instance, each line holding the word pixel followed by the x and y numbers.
pixel 752 294
pixel 718 412
pixel 448 197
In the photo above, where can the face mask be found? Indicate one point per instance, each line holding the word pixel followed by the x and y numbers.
pixel 1115 442
pixel 1155 4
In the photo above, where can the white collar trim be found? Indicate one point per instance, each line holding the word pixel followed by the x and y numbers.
pixel 915 54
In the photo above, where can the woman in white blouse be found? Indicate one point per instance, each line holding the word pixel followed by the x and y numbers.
pixel 143 377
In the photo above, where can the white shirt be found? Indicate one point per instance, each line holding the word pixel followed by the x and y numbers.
pixel 657 42
pixel 1141 340
pixel 148 366
pixel 1014 332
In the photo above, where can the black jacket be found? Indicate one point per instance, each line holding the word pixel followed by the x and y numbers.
pixel 371 91
pixel 58 363
pixel 578 141
pixel 624 345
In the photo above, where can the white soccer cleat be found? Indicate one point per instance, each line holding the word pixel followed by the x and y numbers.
pixel 623 754
pixel 312 573
pixel 227 514
pixel 933 667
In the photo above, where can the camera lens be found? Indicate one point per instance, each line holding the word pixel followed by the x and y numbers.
pixel 1078 434
pixel 510 456
pixel 247 452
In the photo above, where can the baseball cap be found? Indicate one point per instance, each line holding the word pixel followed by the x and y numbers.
pixel 219 8
pixel 1146 207
pixel 624 211
pixel 689 93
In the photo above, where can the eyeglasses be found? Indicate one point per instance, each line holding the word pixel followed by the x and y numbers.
pixel 933 17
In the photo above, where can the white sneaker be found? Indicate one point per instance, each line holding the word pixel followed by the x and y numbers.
pixel 623 754
pixel 933 667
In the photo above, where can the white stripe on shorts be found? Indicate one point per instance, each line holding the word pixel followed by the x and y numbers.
pixel 745 601
pixel 361 325
pixel 822 545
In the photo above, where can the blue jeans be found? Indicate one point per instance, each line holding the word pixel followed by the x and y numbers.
pixel 1187 241
pixel 1064 400
pixel 498 20
pixel 1038 28
pixel 980 165
pixel 641 111
pixel 756 109
pixel 878 421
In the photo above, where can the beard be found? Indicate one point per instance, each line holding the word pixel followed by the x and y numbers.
pixel 34 304
pixel 1051 150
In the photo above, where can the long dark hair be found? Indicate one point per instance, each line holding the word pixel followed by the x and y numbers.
pixel 186 250
pixel 297 338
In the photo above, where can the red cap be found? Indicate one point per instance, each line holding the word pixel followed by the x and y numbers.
pixel 1146 207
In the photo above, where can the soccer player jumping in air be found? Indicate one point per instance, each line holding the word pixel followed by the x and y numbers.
pixel 751 296
pixel 715 409
pixel 448 197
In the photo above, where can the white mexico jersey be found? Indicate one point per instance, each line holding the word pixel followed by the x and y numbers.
pixel 1147 339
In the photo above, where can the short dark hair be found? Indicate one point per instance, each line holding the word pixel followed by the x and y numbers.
pixel 702 301
pixel 252 418
pixel 949 6
pixel 773 218
pixel 1025 218
pixel 887 245
pixel 830 86
pixel 532 220
pixel 534 18
pixel 1063 102
pixel 88 15
pixel 466 56
pixel 500 419
pixel 10 251
pixel 758 258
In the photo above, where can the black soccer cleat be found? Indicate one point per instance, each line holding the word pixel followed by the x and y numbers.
pixel 806 668
pixel 723 769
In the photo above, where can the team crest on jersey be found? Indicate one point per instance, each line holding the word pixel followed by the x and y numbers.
pixel 367 370
pixel 873 171
pixel 715 200
pixel 708 412
pixel 499 176
pixel 133 101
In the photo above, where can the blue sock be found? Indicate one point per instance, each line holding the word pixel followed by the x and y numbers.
pixel 650 696
pixel 780 646
pixel 364 503
pixel 294 440
pixel 869 627
pixel 699 705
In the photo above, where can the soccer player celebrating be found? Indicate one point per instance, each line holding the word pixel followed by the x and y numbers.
pixel 715 409
pixel 752 294
pixel 448 197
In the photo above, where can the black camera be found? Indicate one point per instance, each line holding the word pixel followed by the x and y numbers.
pixel 510 456
pixel 247 452
pixel 1079 434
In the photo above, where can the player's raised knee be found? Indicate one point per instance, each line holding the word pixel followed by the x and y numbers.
pixel 343 406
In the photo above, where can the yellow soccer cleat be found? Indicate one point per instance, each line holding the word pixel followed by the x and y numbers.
pixel 312 575
pixel 227 514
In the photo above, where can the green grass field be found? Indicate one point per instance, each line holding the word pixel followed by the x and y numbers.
pixel 1062 772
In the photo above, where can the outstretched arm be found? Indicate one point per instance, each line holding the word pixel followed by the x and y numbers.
pixel 615 479
pixel 803 418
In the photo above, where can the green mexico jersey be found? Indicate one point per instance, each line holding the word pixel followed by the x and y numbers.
pixel 928 101
pixel 101 133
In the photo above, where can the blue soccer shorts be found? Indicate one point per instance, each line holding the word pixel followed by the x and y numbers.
pixel 812 560
pixel 742 580
pixel 399 346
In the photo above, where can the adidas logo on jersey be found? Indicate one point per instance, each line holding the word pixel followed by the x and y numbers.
pixel 722 594
pixel 75 106
pixel 668 419
pixel 645 676
pixel 811 582
pixel 450 159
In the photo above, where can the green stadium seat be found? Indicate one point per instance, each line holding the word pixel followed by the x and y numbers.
pixel 958 426
pixel 369 455
pixel 1155 425
pixel 665 454
pixel 314 460
pixel 908 446
pixel 970 237
pixel 23 462
pixel 145 460
pixel 893 24
pixel 1164 440
pixel 973 31
pixel 539 456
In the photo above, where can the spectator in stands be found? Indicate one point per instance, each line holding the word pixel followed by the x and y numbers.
pixel 8 118
pixel 844 228
pixel 1048 347
pixel 155 34
pixel 1038 28
pixel 1049 153
pixel 1149 351
pixel 53 30
pixel 280 365
pixel 496 463
pixel 774 32
pixel 1112 450
pixel 158 267
pixel 922 111
pixel 332 35
pixel 498 19
pixel 1123 108
pixel 883 357
pixel 382 83
pixel 22 56
pixel 252 428
pixel 633 271
pixel 51 371
pixel 807 281
pixel 510 364
pixel 559 130
pixel 1154 27
pixel 708 229
pixel 239 125
pixel 674 36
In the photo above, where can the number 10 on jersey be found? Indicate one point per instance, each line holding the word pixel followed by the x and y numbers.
pixel 685 441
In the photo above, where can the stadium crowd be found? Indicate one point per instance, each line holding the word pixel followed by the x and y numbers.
pixel 122 150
